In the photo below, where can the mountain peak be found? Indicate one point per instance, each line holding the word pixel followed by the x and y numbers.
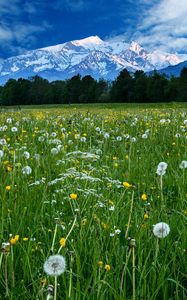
pixel 134 46
pixel 88 56
pixel 93 40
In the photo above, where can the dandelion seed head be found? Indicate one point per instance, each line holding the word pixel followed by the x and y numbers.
pixel 26 170
pixel 55 265
pixel 183 164
pixel 161 230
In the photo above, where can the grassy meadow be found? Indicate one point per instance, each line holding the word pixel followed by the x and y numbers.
pixel 83 182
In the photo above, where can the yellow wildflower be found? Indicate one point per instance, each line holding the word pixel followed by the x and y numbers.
pixel 73 196
pixel 126 184
pixel 144 197
pixel 7 188
pixel 107 267
pixel 146 216
pixel 84 221
pixel 25 239
pixel 13 240
pixel 63 242
pixel 100 263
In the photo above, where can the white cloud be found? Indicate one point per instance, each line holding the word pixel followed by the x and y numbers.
pixel 15 34
pixel 164 25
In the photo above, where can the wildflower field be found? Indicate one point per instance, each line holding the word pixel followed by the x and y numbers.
pixel 94 202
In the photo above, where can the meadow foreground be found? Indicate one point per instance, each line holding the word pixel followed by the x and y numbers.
pixel 94 203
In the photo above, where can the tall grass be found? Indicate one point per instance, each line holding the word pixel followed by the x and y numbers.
pixel 89 192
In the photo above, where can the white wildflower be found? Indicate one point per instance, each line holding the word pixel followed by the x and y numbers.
pixel 53 134
pixel 161 168
pixel 119 138
pixel 98 129
pixel 117 231
pixel 26 170
pixel 55 265
pixel 183 164
pixel 41 138
pixel 133 139
pixel 9 120
pixel 14 129
pixel 2 142
pixel 144 136
pixel 26 154
pixel 161 230
pixel 106 135
pixel 54 151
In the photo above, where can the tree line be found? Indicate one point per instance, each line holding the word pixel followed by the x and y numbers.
pixel 138 87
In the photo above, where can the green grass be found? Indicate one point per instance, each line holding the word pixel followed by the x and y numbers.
pixel 106 216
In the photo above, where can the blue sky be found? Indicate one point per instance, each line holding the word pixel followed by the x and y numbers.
pixel 26 24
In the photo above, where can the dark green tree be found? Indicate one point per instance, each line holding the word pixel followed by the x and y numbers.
pixel 122 88
pixel 88 87
pixel 156 87
pixel 140 87
pixel 182 85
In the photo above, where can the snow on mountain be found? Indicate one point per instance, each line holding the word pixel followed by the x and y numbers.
pixel 174 70
pixel 90 55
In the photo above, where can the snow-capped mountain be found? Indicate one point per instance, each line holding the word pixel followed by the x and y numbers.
pixel 89 56
pixel 174 70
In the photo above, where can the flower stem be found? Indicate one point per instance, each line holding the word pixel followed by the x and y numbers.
pixel 6 275
pixel 55 289
pixel 157 249
pixel 133 274
pixel 125 266
pixel 12 262
pixel 54 237
pixel 161 191
pixel 130 214
pixel 69 232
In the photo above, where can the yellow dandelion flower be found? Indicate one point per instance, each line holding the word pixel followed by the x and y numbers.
pixel 107 267
pixel 9 168
pixel 144 197
pixel 73 196
pixel 126 184
pixel 7 188
pixel 63 242
pixel 84 222
pixel 146 216
pixel 13 240
pixel 100 263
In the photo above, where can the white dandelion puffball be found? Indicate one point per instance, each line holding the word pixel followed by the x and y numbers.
pixel 26 154
pixel 183 164
pixel 106 135
pixel 54 151
pixel 161 168
pixel 26 170
pixel 14 129
pixel 55 265
pixel 161 230
pixel 144 136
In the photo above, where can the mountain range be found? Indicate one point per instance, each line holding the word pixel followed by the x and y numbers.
pixel 89 56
